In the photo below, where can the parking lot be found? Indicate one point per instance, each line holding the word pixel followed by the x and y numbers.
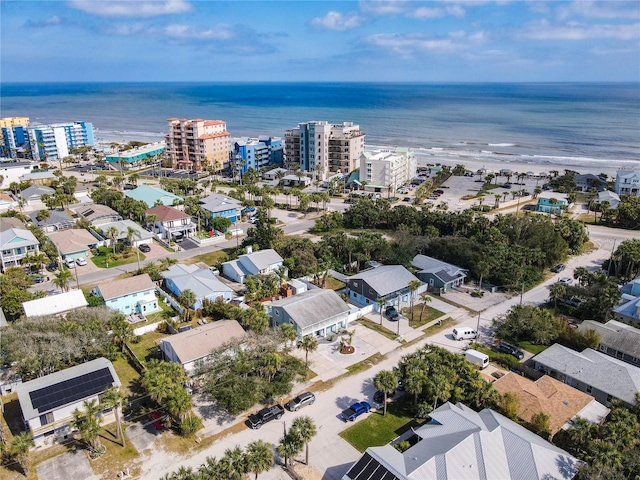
pixel 170 173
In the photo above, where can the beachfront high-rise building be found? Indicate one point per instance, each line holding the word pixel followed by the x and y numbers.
pixel 256 153
pixel 324 147
pixel 54 142
pixel 15 137
pixel 196 144
pixel 386 170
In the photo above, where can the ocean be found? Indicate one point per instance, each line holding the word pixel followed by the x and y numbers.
pixel 574 125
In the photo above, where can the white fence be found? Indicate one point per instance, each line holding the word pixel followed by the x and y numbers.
pixel 146 328
pixel 358 312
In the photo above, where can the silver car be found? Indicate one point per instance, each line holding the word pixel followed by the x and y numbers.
pixel 302 400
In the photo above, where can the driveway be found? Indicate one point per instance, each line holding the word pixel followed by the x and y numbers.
pixel 68 466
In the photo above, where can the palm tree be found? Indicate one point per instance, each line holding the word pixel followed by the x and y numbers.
pixel 290 445
pixel 187 298
pixel 131 233
pixel 61 279
pixel 166 262
pixel 178 403
pixel 88 424
pixel 259 457
pixel 112 233
pixel 381 303
pixel 426 298
pixel 413 286
pixel 557 291
pixel 309 343
pixel 386 381
pixel 305 429
pixel 233 463
pixel 113 397
pixel 415 380
pixel 19 450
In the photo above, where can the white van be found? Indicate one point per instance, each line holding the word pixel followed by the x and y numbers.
pixel 479 359
pixel 464 333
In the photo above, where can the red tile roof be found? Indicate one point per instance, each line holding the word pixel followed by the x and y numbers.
pixel 165 213
pixel 214 135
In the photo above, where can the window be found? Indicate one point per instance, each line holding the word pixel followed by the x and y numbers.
pixel 589 389
pixel 609 398
pixel 601 347
pixel 46 418
pixel 619 355
pixel 277 312
pixel 355 284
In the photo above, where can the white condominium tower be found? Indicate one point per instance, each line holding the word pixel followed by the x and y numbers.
pixel 323 147
pixel 386 170
pixel 195 144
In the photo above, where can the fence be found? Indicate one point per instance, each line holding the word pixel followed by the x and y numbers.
pixel 137 364
pixel 146 329
pixel 170 300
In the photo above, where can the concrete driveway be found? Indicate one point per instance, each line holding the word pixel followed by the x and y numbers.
pixel 68 466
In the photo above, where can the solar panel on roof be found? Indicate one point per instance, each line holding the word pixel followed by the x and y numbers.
pixel 360 464
pixel 367 468
pixel 72 390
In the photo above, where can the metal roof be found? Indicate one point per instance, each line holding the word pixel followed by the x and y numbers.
pixel 55 304
pixel 618 335
pixel 386 279
pixel 126 286
pixel 312 307
pixel 200 281
pixel 16 238
pixel 260 260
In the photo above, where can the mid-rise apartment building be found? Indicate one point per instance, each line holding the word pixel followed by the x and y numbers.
pixel 196 144
pixel 257 153
pixel 15 137
pixel 54 142
pixel 387 169
pixel 323 147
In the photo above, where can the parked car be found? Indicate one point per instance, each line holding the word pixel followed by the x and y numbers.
pixel 81 262
pixel 265 415
pixel 354 411
pixel 511 350
pixel 248 210
pixel 52 266
pixel 379 396
pixel 566 280
pixel 507 186
pixel 406 199
pixel 37 278
pixel 391 313
pixel 558 268
pixel 156 418
pixel 439 191
pixel 144 248
pixel 70 263
pixel 302 400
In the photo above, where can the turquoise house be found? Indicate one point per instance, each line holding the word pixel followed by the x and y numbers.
pixel 130 295
pixel 152 195
pixel 552 202
pixel 136 154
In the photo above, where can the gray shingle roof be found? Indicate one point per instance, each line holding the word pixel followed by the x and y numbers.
pixel 460 444
pixel 386 279
pixel 219 203
pixel 618 335
pixel 36 191
pixel 56 218
pixel 433 265
pixel 261 259
pixel 601 371
pixel 200 281
pixel 313 306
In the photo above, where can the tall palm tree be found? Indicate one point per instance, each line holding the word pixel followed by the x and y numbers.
pixel 166 262
pixel 187 298
pixel 19 450
pixel 62 279
pixel 386 381
pixel 309 343
pixel 290 445
pixel 233 463
pixel 112 233
pixel 259 457
pixel 131 234
pixel 179 403
pixel 113 397
pixel 88 424
pixel 413 286
pixel 305 429
pixel 426 298
pixel 381 303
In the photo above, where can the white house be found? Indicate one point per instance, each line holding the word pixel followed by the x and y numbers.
pixel 201 281
pixel 15 244
pixel 195 345
pixel 262 262
pixel 7 202
pixel 628 182
pixel 608 196
pixel 171 222
pixel 55 304
pixel 12 171
pixel 48 402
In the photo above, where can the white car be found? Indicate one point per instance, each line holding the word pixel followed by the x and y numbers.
pixel 81 261
pixel 70 262
pixel 566 280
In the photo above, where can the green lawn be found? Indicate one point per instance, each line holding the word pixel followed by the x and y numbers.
pixel 147 348
pixel 333 284
pixel 531 348
pixel 377 430
pixel 429 314
pixel 121 259
pixel 167 312
pixel 210 258
pixel 128 376
pixel 375 326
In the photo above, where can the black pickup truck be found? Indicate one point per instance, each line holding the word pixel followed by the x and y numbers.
pixel 265 415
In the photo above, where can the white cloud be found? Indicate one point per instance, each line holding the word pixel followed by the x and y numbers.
pixel 131 8
pixel 337 21
pixel 49 22
pixel 407 44
pixel 593 9
pixel 385 7
pixel 174 31
pixel 543 30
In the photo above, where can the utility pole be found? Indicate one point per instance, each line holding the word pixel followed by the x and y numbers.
pixel 521 293
pixel 478 326
pixel 611 258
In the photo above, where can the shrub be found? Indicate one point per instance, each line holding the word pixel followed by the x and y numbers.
pixel 190 424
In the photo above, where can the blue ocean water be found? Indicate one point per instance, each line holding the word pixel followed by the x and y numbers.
pixel 571 124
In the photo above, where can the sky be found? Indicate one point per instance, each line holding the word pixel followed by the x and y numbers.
pixel 325 41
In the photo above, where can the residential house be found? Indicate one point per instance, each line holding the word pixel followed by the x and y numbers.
pixel 560 402
pixel 170 222
pixel 219 205
pixel 141 236
pixel 9 380
pixel 7 202
pixel 628 312
pixel 263 262
pixel 631 289
pixel 552 202
pixel 48 402
pixel 95 213
pixel 585 182
pixel 130 295
pixel 461 444
pixel 389 282
pixel 316 312
pixel 193 347
pixel 12 171
pixel 274 173
pixel 34 193
pixel 55 304
pixel 628 182
pixel 617 339
pixel 57 220
pixel 74 243
pixel 11 222
pixel 438 274
pixel 295 181
pixel 15 244
pixel 153 196
pixel 599 375
pixel 608 196
pixel 201 281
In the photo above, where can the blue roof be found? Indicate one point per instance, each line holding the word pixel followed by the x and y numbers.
pixel 150 195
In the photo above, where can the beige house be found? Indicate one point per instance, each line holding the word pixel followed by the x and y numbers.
pixel 193 143
pixel 74 243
